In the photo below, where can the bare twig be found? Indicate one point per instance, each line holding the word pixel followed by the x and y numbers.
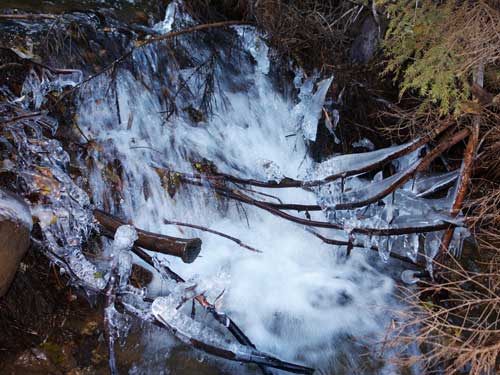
pixel 205 229
pixel 28 16
pixel 171 35
pixel 191 29
pixel 29 116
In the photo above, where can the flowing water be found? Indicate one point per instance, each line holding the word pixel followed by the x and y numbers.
pixel 222 104
pixel 298 297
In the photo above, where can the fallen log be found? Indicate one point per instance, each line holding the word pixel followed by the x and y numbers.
pixel 186 249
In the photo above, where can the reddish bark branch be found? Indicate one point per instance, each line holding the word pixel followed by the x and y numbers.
pixel 423 165
pixel 391 231
pixel 291 183
pixel 465 176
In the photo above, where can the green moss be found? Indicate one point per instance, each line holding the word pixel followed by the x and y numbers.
pixel 54 352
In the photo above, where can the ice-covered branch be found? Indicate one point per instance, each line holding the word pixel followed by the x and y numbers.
pixel 337 167
pixel 378 190
pixel 121 265
pixel 219 316
pixel 376 231
pixel 341 242
pixel 208 340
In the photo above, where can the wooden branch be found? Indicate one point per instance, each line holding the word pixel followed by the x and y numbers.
pixel 336 242
pixel 468 162
pixel 255 356
pixel 191 29
pixel 205 229
pixel 390 231
pixel 423 165
pixel 186 249
pixel 28 116
pixel 27 16
pixel 465 175
pixel 296 207
pixel 291 183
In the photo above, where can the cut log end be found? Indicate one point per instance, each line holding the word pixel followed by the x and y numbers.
pixel 191 251
pixel 185 248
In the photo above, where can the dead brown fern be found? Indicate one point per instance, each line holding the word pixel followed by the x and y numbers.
pixel 455 323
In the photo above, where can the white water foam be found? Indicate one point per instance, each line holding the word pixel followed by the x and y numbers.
pixel 298 297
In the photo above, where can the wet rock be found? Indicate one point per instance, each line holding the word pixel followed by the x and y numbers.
pixel 15 228
pixel 14 70
pixel 364 46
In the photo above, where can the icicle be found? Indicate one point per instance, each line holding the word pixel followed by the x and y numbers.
pixel 367 242
pixel 431 248
pixel 384 249
pixel 459 235
pixel 411 244
pixel 308 111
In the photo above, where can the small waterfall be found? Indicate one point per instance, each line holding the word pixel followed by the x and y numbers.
pixel 298 297
pixel 211 104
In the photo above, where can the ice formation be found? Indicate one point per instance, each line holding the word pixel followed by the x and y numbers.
pixel 283 297
pixel 299 298
pixel 12 209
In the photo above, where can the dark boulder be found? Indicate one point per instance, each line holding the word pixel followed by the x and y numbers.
pixel 15 228
pixel 365 44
